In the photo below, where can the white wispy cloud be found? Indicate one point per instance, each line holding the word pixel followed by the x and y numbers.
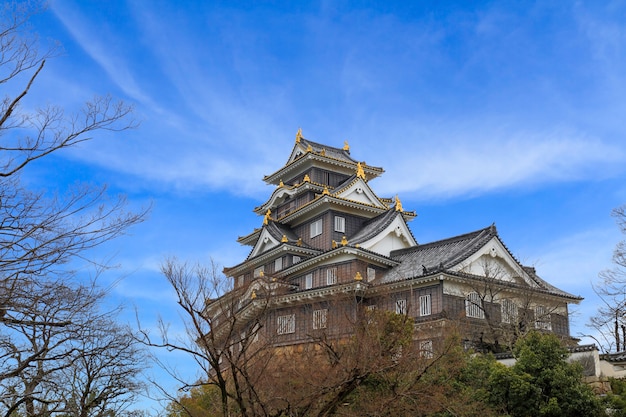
pixel 102 46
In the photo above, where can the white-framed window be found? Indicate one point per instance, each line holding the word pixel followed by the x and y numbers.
pixel 331 276
pixel 401 306
pixel 259 271
pixel 543 321
pixel 340 224
pixel 296 259
pixel 508 309
pixel 286 324
pixel 425 305
pixel 319 318
pixel 308 281
pixel 240 281
pixel 278 264
pixel 474 306
pixel 316 228
pixel 426 349
pixel 371 274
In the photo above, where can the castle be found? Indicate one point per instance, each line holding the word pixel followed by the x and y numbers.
pixel 330 247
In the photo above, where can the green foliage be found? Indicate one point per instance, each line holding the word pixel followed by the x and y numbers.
pixel 201 401
pixel 616 399
pixel 542 383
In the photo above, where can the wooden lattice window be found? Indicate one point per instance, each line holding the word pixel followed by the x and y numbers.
pixel 319 318
pixel 286 324
pixel 426 349
pixel 508 309
pixel 543 320
pixel 401 306
pixel 331 276
pixel 425 305
pixel 474 306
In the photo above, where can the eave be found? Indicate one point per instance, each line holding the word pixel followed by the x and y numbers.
pixel 251 238
pixel 310 159
pixel 304 213
pixel 459 278
pixel 267 256
pixel 358 253
pixel 291 191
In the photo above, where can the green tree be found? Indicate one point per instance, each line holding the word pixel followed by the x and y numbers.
pixel 542 382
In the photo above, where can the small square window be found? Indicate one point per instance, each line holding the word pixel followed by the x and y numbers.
pixel 316 228
pixel 543 320
pixel 425 305
pixel 401 306
pixel 286 324
pixel 296 259
pixel 331 276
pixel 340 224
pixel 426 349
pixel 259 271
pixel 474 306
pixel 371 274
pixel 319 319
pixel 508 309
pixel 278 264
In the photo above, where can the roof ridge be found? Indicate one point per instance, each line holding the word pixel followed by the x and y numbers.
pixel 448 240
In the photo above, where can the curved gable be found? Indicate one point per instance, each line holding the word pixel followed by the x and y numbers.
pixel 360 192
pixel 396 235
pixel 265 242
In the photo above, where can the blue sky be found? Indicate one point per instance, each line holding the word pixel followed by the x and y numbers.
pixel 480 112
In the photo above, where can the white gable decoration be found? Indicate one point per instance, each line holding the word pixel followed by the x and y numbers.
pixel 360 192
pixel 494 261
pixel 395 236
pixel 266 242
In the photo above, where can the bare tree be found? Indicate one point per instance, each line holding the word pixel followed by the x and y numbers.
pixel 104 378
pixel 223 333
pixel 46 318
pixel 59 353
pixel 508 307
pixel 375 365
pixel 610 320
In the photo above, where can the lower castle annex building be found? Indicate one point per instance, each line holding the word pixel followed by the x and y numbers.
pixel 329 247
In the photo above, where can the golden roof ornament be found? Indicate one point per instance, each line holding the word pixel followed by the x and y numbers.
pixel 253 295
pixel 358 276
pixel 309 148
pixel 398 204
pixel 261 274
pixel 307 178
pixel 299 242
pixel 267 217
pixel 281 184
pixel 323 152
pixel 359 171
pixel 346 147
pixel 299 135
pixel 334 244
pixel 284 239
pixel 344 241
pixel 325 192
